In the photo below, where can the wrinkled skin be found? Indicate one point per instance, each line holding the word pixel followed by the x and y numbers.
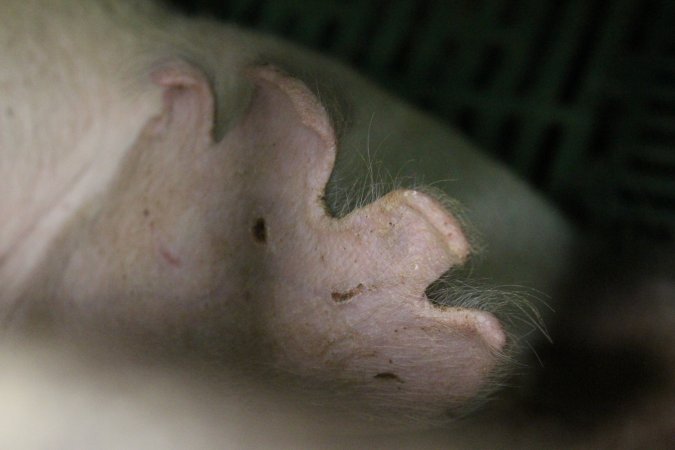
pixel 174 199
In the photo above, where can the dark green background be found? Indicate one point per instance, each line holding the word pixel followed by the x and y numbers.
pixel 577 96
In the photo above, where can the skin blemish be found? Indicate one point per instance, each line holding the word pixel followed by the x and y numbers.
pixel 340 297
pixel 146 212
pixel 169 257
pixel 388 376
pixel 260 231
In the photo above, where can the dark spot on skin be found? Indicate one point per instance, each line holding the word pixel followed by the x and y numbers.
pixel 260 231
pixel 339 297
pixel 146 213
pixel 9 112
pixel 388 376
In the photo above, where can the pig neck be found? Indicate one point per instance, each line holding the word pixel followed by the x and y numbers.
pixel 73 101
pixel 69 110
pixel 71 170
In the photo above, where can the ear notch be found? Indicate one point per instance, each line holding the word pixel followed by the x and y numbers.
pixel 188 98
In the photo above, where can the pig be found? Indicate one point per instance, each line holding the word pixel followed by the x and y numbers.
pixel 179 193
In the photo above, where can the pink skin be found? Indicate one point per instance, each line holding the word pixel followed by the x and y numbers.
pixel 234 236
pixel 128 228
pixel 356 286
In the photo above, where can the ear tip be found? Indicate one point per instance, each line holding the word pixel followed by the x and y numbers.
pixel 186 90
pixel 306 104
pixel 445 224
pixel 490 329
pixel 177 73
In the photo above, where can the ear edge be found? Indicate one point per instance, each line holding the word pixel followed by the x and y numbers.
pixel 185 87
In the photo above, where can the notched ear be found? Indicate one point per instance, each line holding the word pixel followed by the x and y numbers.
pixel 188 99
pixel 290 138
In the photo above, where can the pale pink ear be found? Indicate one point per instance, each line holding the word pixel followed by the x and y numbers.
pixel 188 98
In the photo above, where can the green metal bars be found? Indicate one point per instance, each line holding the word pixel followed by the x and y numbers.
pixel 577 96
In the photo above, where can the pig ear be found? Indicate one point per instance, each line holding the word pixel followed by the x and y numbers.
pixel 188 98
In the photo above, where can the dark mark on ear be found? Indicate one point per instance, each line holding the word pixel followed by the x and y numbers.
pixel 260 231
pixel 388 376
pixel 339 297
